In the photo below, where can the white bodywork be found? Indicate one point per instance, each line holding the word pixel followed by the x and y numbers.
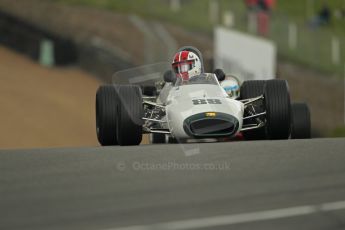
pixel 166 113
pixel 180 106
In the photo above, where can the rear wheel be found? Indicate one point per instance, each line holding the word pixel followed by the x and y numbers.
pixel 300 121
pixel 278 109
pixel 251 89
pixel 106 106
pixel 129 115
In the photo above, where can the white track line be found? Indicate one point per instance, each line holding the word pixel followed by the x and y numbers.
pixel 239 218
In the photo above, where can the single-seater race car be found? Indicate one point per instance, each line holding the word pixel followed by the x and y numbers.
pixel 189 104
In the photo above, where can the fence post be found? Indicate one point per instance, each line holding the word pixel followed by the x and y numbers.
pixel 46 53
pixel 252 22
pixel 214 11
pixel 175 5
pixel 228 19
pixel 335 50
pixel 293 36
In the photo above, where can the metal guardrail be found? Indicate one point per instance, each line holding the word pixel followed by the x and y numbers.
pixel 95 55
pixel 30 40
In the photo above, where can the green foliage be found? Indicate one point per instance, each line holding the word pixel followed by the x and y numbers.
pixel 195 12
pixel 314 45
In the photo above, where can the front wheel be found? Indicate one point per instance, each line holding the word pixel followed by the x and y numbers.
pixel 106 109
pixel 129 115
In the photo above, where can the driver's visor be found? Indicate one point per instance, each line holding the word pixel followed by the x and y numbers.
pixel 183 67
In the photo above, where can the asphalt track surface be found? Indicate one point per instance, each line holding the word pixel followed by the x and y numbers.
pixel 295 184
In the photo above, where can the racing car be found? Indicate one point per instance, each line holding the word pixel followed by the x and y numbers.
pixel 189 104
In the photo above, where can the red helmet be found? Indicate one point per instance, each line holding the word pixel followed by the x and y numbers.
pixel 186 65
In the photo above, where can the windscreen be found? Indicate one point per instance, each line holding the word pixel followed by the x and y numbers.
pixel 142 75
pixel 204 78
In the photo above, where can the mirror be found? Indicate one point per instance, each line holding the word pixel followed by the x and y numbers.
pixel 169 76
pixel 220 74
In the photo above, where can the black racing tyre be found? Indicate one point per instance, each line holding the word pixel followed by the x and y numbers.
pixel 157 138
pixel 129 115
pixel 278 109
pixel 300 121
pixel 106 107
pixel 251 89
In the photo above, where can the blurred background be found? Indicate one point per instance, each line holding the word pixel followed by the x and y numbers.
pixel 55 53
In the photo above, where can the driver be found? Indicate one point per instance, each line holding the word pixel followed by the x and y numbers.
pixel 186 65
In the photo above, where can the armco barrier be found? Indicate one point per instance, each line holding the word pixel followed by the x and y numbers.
pixel 27 39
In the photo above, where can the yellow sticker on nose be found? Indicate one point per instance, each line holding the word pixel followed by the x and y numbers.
pixel 210 114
